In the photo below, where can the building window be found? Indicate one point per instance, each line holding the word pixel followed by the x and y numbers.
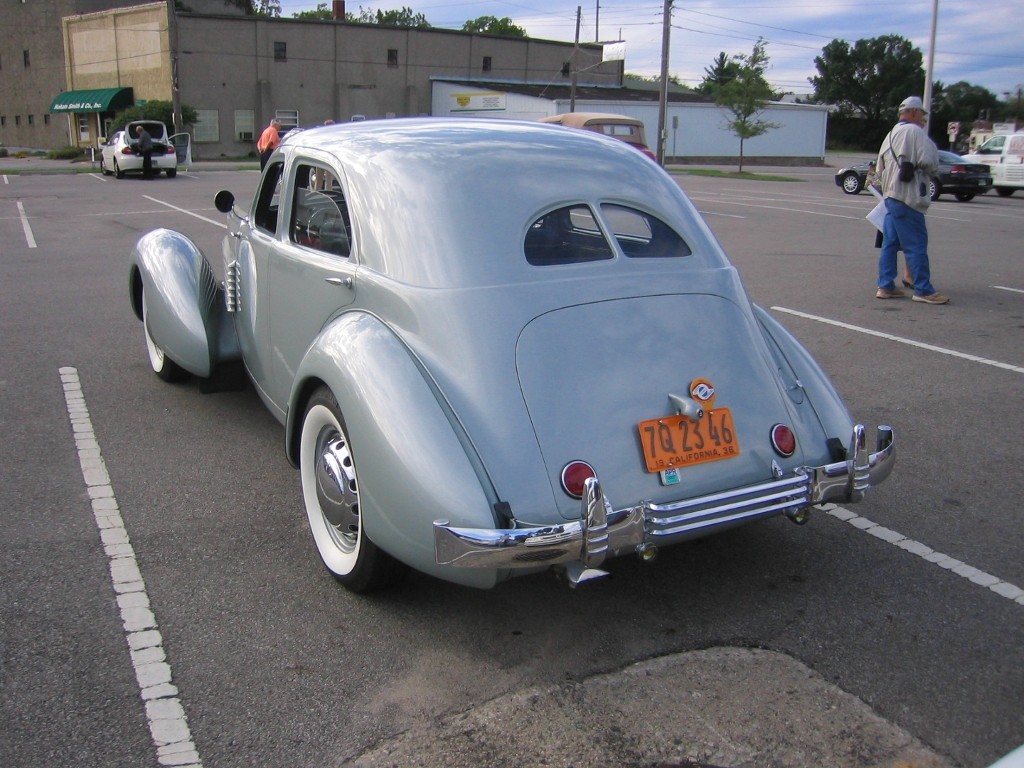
pixel 25 56
pixel 487 64
pixel 46 119
pixel 565 69
pixel 17 119
pixel 3 120
pixel 245 125
pixel 31 119
pixel 207 126
pixel 280 51
pixel 392 57
pixel 289 118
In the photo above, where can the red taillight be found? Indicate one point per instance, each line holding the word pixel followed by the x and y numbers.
pixel 127 151
pixel 170 149
pixel 958 169
pixel 783 440
pixel 574 475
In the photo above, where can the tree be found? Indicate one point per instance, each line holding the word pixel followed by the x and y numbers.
pixel 271 8
pixel 870 78
pixel 322 12
pixel 403 17
pixel 156 110
pixel 966 103
pixel 491 25
pixel 746 95
pixel 721 71
pixel 961 103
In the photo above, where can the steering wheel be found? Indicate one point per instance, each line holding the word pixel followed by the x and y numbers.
pixel 314 224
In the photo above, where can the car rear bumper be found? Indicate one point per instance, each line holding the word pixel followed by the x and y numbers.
pixel 603 532
pixel 161 162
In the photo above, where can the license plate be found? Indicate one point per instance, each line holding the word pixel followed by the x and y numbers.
pixel 678 441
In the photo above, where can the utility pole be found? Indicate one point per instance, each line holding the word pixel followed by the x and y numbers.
pixel 666 26
pixel 597 21
pixel 574 66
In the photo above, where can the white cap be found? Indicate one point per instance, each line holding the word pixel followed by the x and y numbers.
pixel 912 102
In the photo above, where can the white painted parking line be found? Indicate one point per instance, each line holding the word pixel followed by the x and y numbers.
pixel 725 215
pixel 1004 288
pixel 902 340
pixel 220 224
pixel 168 725
pixel 972 574
pixel 29 237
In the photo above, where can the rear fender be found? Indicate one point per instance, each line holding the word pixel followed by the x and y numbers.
pixel 187 318
pixel 817 403
pixel 413 465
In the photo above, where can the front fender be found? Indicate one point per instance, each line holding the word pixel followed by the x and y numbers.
pixel 184 301
pixel 413 467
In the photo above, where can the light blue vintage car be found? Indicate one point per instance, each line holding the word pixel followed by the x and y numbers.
pixel 499 347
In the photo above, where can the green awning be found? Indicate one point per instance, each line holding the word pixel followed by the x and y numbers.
pixel 96 100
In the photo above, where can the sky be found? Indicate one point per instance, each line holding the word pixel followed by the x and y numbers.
pixel 977 41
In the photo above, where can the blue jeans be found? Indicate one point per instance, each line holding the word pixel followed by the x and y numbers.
pixel 905 230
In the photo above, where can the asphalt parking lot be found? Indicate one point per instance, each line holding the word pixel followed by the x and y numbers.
pixel 887 633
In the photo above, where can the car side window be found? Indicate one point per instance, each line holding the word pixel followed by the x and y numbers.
pixel 567 235
pixel 268 199
pixel 642 236
pixel 319 213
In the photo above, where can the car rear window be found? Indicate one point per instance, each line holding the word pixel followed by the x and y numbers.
pixel 572 235
pixel 619 130
pixel 642 236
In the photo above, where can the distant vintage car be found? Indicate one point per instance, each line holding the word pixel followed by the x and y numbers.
pixel 621 127
pixel 956 176
pixel 498 347
pixel 119 154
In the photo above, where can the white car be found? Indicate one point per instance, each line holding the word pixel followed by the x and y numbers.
pixel 120 155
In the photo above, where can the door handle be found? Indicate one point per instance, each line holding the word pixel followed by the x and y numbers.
pixel 345 282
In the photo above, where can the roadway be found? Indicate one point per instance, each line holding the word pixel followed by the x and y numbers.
pixel 889 632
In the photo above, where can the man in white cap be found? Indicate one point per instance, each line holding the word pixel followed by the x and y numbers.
pixel 907 159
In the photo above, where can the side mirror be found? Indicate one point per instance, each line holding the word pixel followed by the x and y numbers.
pixel 224 201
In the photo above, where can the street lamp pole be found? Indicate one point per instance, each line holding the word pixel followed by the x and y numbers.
pixel 931 66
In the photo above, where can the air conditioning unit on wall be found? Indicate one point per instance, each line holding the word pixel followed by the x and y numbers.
pixel 245 135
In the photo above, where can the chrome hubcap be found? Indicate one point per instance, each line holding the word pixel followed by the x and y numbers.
pixel 336 489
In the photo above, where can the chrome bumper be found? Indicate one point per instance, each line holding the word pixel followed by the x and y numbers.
pixel 582 545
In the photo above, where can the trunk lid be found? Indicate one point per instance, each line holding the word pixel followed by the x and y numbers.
pixel 591 373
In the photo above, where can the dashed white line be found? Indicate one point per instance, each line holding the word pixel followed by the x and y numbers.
pixel 168 725
pixel 972 574
pixel 29 237
pixel 902 340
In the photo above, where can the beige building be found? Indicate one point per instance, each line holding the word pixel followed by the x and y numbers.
pixel 240 71
pixel 33 67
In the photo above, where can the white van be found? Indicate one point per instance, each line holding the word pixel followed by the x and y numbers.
pixel 1004 154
